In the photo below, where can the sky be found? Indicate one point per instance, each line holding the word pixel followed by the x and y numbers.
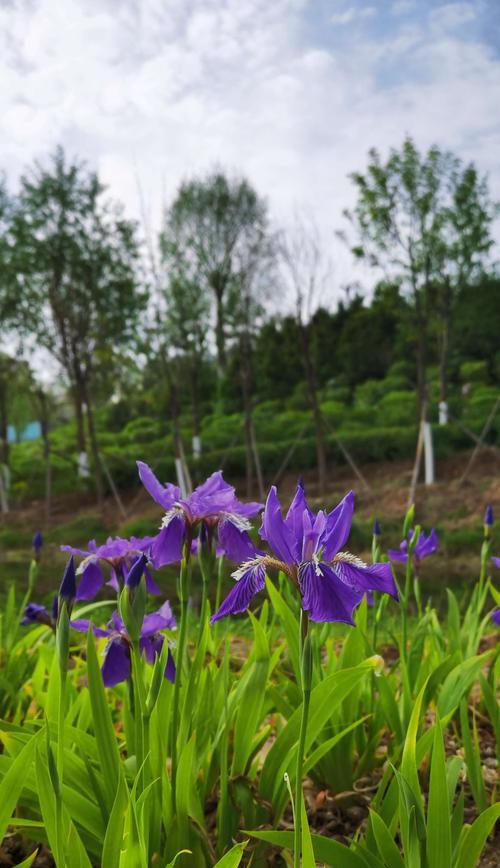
pixel 290 93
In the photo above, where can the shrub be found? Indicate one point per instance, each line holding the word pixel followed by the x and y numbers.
pixel 397 408
pixel 368 393
pixel 474 372
pixel 479 405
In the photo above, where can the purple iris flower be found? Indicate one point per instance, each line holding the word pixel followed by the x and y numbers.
pixel 496 561
pixel 213 504
pixel 307 548
pixel 117 662
pixel 495 616
pixel 488 516
pixel 34 613
pixel 117 554
pixel 426 545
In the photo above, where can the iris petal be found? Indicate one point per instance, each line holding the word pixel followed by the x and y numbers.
pixel 151 586
pixel 170 672
pixel 163 619
pixel 116 666
pixel 165 495
pixel 361 577
pixel 151 647
pixel 239 598
pixel 237 545
pixel 167 546
pixel 295 516
pixel 82 626
pixel 324 596
pixel 274 530
pixel 338 527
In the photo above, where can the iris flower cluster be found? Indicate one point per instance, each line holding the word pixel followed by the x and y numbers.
pixel 118 555
pixel 212 508
pixel 425 546
pixel 308 548
pixel 117 660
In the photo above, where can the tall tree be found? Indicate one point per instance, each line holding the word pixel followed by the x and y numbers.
pixel 76 284
pixel 256 275
pixel 306 274
pixel 424 220
pixel 209 229
pixel 186 314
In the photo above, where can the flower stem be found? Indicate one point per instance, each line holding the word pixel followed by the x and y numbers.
pixel 61 716
pixel 181 646
pixel 306 669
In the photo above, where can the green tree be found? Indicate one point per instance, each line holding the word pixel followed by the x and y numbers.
pixel 76 290
pixel 187 312
pixel 424 220
pixel 213 232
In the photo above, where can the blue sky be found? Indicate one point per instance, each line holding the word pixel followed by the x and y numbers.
pixel 291 93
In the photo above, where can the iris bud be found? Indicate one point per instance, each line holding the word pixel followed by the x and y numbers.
pixel 488 521
pixel 67 590
pixel 37 543
pixel 136 571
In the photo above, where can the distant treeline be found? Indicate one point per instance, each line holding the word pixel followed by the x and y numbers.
pixel 184 328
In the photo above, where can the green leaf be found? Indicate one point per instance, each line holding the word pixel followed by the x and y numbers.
pixel 289 622
pixel 113 839
pixel 458 683
pixel 326 850
pixel 14 781
pixel 457 822
pixel 472 758
pixel 249 713
pixel 409 769
pixel 48 807
pixel 325 698
pixel 177 855
pixel 327 745
pixel 471 845
pixel 103 726
pixel 308 860
pixel 385 842
pixel 438 816
pixel 233 857
pixel 186 797
pixel 29 860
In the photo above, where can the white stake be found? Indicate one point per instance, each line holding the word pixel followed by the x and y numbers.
pixel 429 454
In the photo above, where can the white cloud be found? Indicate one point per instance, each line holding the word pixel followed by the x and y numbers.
pixel 157 90
pixel 452 15
pixel 353 14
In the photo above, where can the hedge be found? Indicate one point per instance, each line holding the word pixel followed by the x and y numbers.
pixel 120 452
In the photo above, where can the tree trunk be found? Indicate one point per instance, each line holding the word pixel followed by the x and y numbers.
pixel 247 410
pixel 94 446
pixel 180 456
pixel 195 406
pixel 421 323
pixel 445 343
pixel 4 426
pixel 44 428
pixel 81 443
pixel 220 337
pixel 315 408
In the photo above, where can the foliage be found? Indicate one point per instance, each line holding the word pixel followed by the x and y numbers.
pixel 95 783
